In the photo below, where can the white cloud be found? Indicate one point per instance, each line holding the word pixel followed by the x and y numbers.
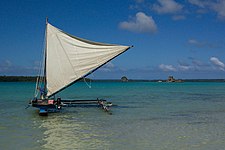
pixel 167 67
pixel 216 62
pixel 184 67
pixel 107 67
pixel 140 24
pixel 167 6
pixel 178 17
pixel 139 1
pixel 5 65
pixel 203 44
pixel 8 68
pixel 195 43
pixel 200 3
pixel 217 6
pixel 110 65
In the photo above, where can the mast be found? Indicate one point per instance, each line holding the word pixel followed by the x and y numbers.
pixel 45 60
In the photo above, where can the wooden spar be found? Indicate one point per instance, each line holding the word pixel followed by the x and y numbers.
pixel 77 102
pixel 100 102
pixel 81 101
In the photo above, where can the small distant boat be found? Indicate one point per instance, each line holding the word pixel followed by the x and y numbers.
pixel 67 59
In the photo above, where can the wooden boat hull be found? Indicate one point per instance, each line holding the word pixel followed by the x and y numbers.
pixel 43 112
pixel 46 106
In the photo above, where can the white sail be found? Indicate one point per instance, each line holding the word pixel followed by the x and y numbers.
pixel 70 58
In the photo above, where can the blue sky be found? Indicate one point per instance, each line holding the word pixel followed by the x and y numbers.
pixel 185 38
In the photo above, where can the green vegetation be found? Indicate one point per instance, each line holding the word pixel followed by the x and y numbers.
pixel 18 78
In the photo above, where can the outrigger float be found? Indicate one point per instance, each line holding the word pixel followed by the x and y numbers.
pixel 66 60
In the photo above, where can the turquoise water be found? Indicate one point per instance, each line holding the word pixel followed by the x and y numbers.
pixel 156 116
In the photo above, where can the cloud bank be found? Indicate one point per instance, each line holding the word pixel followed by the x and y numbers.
pixel 194 65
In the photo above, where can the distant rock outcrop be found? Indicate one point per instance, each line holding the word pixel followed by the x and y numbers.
pixel 172 79
pixel 124 79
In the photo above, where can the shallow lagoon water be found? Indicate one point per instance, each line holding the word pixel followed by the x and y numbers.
pixel 171 116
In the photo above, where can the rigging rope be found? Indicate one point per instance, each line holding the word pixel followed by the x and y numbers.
pixel 89 85
pixel 40 77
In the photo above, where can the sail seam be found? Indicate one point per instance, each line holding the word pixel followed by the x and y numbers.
pixel 66 54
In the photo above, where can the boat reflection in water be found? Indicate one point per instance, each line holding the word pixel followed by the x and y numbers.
pixel 68 131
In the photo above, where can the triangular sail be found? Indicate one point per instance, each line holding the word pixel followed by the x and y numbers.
pixel 70 58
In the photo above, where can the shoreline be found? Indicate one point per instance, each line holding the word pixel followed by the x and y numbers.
pixel 33 79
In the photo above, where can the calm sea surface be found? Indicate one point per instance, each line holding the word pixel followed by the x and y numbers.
pixel 148 116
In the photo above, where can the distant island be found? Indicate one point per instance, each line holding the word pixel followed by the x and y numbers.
pixel 172 79
pixel 123 79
